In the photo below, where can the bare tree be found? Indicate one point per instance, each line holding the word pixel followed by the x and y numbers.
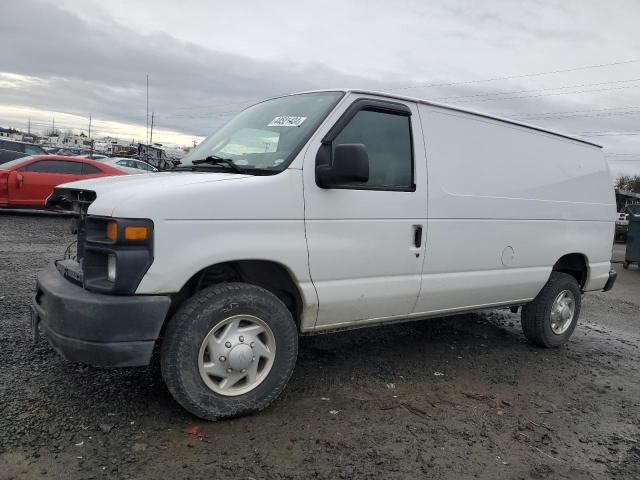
pixel 630 183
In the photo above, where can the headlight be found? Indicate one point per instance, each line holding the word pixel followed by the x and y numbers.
pixel 117 253
pixel 111 268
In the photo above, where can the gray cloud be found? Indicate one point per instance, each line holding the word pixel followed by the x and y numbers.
pixel 103 70
pixel 84 66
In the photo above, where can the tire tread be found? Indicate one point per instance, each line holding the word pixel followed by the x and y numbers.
pixel 535 315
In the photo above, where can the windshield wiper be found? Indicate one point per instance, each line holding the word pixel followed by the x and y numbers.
pixel 215 160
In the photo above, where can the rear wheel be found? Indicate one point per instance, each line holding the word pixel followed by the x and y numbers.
pixel 550 319
pixel 229 350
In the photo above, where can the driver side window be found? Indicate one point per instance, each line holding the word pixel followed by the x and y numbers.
pixel 387 137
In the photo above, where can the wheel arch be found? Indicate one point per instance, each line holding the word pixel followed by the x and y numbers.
pixel 574 264
pixel 268 274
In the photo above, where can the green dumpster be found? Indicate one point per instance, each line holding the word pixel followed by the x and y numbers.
pixel 633 241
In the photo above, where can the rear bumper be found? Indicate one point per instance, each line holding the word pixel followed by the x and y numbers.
pixel 612 279
pixel 101 330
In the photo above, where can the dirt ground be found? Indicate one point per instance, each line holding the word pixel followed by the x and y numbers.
pixel 454 398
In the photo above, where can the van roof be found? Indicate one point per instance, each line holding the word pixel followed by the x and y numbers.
pixel 457 109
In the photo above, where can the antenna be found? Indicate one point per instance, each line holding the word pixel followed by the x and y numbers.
pixel 147 108
pixel 151 136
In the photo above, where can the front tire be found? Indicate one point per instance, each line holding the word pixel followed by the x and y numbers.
pixel 229 351
pixel 550 319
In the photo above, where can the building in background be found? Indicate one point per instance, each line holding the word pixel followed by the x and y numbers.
pixel 625 198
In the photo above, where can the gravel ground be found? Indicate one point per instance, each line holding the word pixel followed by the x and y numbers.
pixel 455 398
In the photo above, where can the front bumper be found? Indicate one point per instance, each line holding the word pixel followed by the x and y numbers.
pixel 101 330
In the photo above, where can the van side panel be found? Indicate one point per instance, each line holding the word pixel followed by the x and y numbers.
pixel 505 203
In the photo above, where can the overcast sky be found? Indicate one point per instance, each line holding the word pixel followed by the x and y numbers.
pixel 207 60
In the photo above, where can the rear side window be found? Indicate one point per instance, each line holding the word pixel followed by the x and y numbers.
pixel 33 150
pixel 387 137
pixel 124 163
pixel 54 166
pixel 90 169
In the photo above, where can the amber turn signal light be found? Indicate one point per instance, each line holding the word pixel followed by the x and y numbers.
pixel 112 231
pixel 136 233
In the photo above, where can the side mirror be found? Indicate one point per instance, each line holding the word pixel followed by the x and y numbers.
pixel 350 164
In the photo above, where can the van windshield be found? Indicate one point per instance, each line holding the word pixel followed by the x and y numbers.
pixel 268 135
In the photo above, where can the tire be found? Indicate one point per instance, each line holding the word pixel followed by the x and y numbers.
pixel 625 265
pixel 536 317
pixel 197 319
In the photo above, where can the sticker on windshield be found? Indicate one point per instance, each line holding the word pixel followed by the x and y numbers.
pixel 287 122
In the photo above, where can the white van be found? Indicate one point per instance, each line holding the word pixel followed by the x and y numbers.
pixel 323 211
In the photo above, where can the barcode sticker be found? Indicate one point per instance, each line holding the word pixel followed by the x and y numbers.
pixel 287 122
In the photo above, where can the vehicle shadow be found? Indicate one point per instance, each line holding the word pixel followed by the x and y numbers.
pixel 326 362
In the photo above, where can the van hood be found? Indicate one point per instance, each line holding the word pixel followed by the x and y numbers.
pixel 126 190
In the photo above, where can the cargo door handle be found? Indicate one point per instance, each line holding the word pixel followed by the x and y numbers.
pixel 417 235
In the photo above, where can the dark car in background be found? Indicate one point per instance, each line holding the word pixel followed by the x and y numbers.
pixel 12 149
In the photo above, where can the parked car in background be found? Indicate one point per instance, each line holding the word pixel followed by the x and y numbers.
pixel 622 225
pixel 622 221
pixel 12 149
pixel 130 165
pixel 28 181
pixel 94 156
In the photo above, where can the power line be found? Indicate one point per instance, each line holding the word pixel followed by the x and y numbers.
pixel 431 85
pixel 575 111
pixel 546 94
pixel 512 77
pixel 538 89
pixel 586 115
pixel 607 134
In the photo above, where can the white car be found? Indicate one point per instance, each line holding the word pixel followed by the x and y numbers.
pixel 622 219
pixel 324 211
pixel 95 156
pixel 130 165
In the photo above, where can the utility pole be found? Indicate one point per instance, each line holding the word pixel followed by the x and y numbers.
pixel 89 125
pixel 53 126
pixel 151 135
pixel 147 108
pixel 29 126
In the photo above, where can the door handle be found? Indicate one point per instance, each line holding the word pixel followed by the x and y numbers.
pixel 417 236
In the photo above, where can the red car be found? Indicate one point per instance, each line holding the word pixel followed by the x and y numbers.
pixel 28 181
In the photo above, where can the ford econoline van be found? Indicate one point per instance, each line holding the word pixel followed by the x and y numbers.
pixel 322 211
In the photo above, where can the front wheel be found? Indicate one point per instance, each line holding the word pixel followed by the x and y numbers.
pixel 549 320
pixel 229 350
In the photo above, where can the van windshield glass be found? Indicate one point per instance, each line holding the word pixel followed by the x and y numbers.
pixel 268 135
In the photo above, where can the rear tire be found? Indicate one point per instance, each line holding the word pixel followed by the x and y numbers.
pixel 550 319
pixel 209 343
